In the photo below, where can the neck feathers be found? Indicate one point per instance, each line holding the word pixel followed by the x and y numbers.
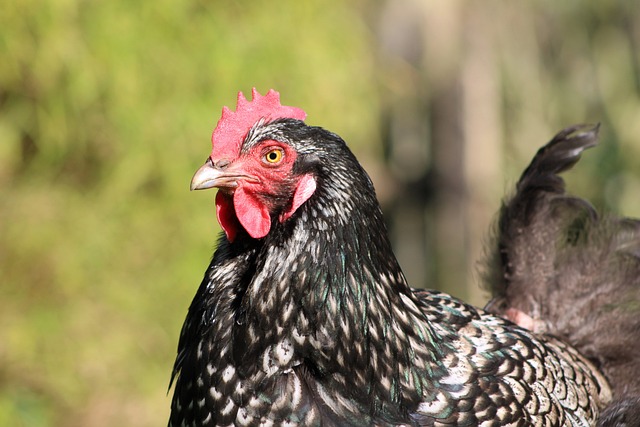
pixel 328 291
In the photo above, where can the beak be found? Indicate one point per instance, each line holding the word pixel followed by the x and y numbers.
pixel 223 176
pixel 208 176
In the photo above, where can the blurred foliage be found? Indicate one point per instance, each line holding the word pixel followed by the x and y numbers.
pixel 106 108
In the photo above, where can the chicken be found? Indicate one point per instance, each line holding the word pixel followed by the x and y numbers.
pixel 304 316
pixel 558 267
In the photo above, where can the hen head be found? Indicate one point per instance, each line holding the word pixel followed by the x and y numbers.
pixel 257 173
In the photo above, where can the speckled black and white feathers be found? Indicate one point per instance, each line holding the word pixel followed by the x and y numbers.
pixel 315 325
pixel 575 272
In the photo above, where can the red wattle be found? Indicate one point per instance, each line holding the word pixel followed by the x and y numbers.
pixel 252 214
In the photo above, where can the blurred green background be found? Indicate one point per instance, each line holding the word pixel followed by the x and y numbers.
pixel 106 109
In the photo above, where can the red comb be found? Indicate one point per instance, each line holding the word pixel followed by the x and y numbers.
pixel 233 127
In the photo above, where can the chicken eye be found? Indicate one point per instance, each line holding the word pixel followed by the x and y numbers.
pixel 273 156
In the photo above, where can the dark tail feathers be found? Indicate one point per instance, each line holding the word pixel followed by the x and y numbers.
pixel 571 272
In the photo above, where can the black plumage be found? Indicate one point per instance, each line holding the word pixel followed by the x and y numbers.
pixel 561 268
pixel 314 323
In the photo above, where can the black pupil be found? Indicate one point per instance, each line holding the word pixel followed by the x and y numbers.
pixel 273 156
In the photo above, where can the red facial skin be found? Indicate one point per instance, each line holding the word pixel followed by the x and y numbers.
pixel 263 184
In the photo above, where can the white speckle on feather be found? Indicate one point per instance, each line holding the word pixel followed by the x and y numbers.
pixel 228 407
pixel 296 397
pixel 266 423
pixel 240 388
pixel 242 417
pixel 213 391
pixel 284 352
pixel 199 351
pixel 268 365
pixel 228 373
pixel 436 406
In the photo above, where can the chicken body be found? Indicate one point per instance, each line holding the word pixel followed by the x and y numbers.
pixel 305 318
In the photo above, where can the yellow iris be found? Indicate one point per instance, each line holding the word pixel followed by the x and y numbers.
pixel 273 156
